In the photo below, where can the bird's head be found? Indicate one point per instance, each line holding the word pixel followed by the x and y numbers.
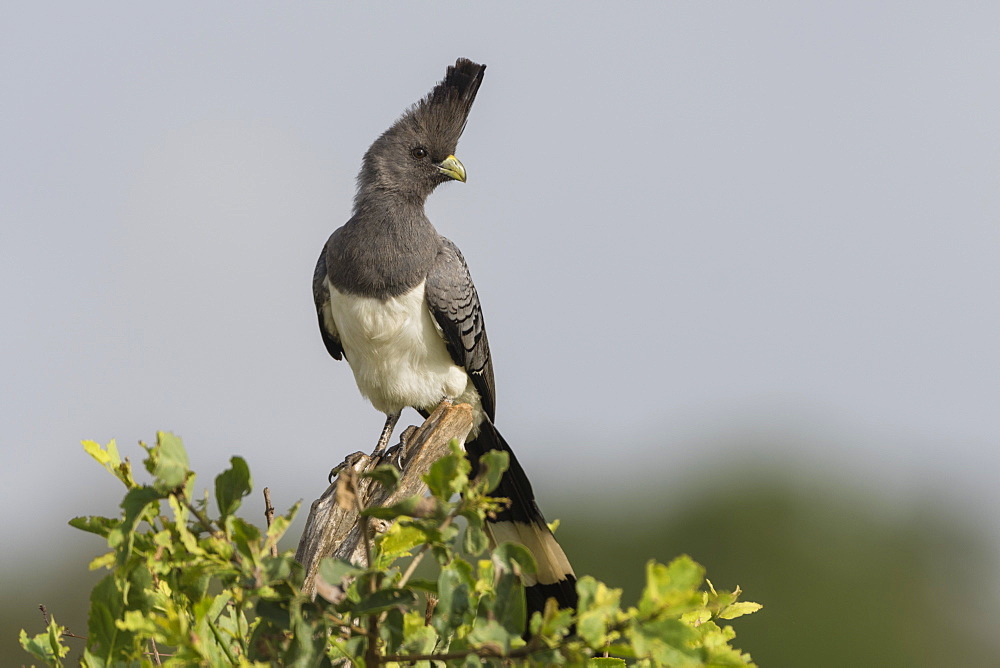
pixel 417 153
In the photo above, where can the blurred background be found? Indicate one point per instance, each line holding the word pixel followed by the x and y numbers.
pixel 738 263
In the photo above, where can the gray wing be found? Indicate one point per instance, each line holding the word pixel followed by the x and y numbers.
pixel 327 328
pixel 452 300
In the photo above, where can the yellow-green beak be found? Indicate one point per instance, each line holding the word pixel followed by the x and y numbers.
pixel 452 168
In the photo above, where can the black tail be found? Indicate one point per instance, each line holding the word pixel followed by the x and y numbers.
pixel 523 523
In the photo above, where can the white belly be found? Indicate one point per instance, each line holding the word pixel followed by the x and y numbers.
pixel 396 352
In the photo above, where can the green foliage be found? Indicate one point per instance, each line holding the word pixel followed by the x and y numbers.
pixel 48 646
pixel 187 588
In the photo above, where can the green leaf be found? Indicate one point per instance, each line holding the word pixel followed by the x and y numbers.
pixel 246 538
pixel 455 586
pixel 136 502
pixel 225 630
pixel 492 465
pixel 605 662
pixel 509 603
pixel 624 650
pixel 47 646
pixel 195 579
pixel 275 612
pixel 717 651
pixel 110 460
pixel 351 649
pixel 488 634
pixel 384 599
pixel 598 610
pixel 553 622
pixel 106 560
pixel 391 629
pixel 104 638
pixel 450 474
pixel 306 648
pixel 397 542
pixel 418 638
pixel 282 567
pixel 232 485
pixel 135 620
pixel 408 507
pixel 671 589
pixel 333 571
pixel 168 462
pixel 515 558
pixel 385 474
pixel 667 641
pixel 91 660
pixel 739 609
pixel 476 541
pixel 422 584
pixel 102 526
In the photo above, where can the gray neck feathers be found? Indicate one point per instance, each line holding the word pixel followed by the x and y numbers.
pixel 386 249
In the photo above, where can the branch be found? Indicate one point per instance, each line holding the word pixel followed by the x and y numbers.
pixel 269 516
pixel 485 652
pixel 65 634
pixel 334 530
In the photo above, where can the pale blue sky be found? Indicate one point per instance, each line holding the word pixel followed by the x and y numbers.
pixel 712 234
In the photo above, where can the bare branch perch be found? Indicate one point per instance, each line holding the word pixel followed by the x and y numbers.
pixel 334 530
pixel 269 516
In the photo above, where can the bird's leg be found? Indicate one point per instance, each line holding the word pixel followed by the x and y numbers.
pixel 390 423
pixel 398 454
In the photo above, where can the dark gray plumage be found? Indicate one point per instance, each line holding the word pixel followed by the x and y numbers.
pixel 396 300
pixel 453 302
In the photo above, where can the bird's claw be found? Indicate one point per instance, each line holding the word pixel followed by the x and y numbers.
pixel 349 460
pixel 398 454
pixel 394 455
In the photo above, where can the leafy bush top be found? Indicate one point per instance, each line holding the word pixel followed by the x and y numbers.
pixel 186 586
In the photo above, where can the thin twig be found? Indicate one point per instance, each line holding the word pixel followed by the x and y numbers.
pixel 432 602
pixel 156 652
pixel 482 652
pixel 420 555
pixel 65 634
pixel 268 507
pixel 222 641
pixel 346 625
pixel 206 524
pixel 363 525
pixel 371 653
pixel 156 583
pixel 269 516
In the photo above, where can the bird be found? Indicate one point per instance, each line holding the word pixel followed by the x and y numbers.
pixel 396 300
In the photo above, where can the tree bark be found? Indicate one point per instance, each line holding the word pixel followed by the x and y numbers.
pixel 333 527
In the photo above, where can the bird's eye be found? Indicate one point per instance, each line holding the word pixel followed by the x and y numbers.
pixel 419 153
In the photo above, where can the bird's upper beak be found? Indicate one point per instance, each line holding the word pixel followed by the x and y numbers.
pixel 452 168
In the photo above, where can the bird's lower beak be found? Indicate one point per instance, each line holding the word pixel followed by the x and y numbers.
pixel 452 168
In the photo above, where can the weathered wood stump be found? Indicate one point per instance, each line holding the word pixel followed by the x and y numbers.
pixel 333 527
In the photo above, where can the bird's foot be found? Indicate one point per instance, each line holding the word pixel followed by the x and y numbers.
pixel 349 460
pixel 398 454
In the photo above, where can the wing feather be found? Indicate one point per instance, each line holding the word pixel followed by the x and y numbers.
pixel 452 299
pixel 327 328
